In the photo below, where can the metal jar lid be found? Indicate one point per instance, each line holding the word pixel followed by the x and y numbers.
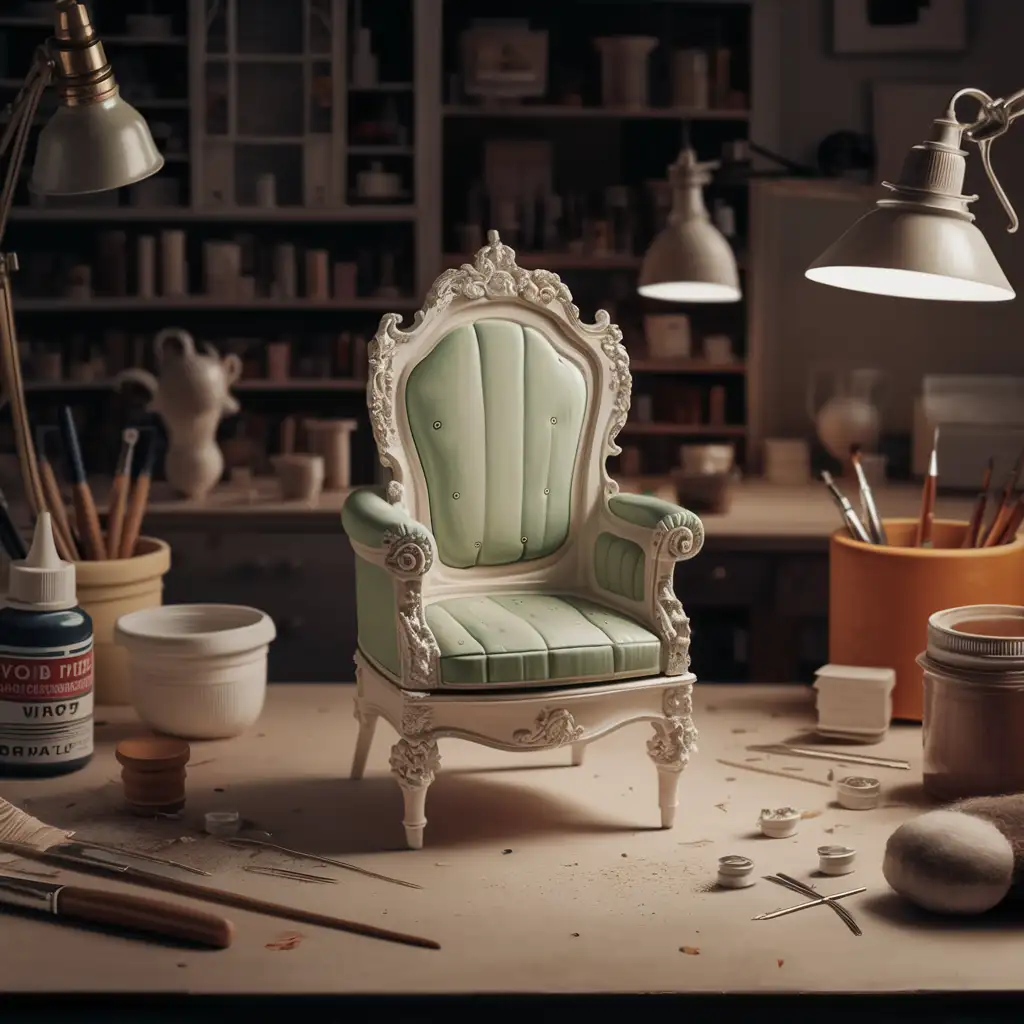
pixel 951 642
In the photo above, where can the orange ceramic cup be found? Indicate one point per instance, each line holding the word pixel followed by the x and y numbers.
pixel 880 597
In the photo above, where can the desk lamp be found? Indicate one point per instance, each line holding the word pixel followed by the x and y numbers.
pixel 94 142
pixel 921 242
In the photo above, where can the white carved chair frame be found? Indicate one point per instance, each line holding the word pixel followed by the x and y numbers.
pixel 422 711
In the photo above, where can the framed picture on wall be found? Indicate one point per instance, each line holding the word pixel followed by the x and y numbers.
pixel 899 26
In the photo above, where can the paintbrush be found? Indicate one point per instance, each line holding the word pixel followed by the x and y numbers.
pixel 139 499
pixel 119 492
pixel 1014 522
pixel 853 523
pixel 999 520
pixel 25 836
pixel 928 492
pixel 86 516
pixel 63 535
pixel 117 909
pixel 10 540
pixel 867 498
pixel 978 512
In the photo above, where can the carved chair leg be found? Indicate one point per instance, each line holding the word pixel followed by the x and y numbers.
pixel 367 727
pixel 578 750
pixel 413 763
pixel 669 751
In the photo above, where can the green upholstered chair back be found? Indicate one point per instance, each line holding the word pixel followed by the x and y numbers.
pixel 496 415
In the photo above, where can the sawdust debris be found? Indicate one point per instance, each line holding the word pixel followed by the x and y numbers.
pixel 199 764
pixel 509 850
pixel 791 768
pixel 810 814
pixel 730 778
pixel 753 759
pixel 722 807
pixel 780 962
pixel 697 842
pixel 739 732
pixel 285 941
pixel 574 935
pixel 711 707
pixel 690 950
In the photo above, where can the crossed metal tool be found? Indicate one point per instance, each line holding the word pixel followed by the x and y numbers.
pixel 816 900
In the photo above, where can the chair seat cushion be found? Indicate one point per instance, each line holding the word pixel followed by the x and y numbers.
pixel 523 639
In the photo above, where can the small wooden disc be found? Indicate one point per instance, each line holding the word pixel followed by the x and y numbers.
pixel 152 753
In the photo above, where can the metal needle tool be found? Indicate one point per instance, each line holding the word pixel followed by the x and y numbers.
pixel 810 903
pixel 808 890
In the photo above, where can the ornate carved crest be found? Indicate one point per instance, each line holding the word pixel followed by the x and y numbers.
pixel 553 727
pixel 421 657
pixel 493 274
pixel 416 719
pixel 414 763
pixel 408 554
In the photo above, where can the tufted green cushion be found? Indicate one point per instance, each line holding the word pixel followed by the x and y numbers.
pixel 537 638
pixel 496 416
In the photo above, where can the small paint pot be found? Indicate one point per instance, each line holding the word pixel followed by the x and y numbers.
pixel 780 823
pixel 835 860
pixel 222 823
pixel 857 793
pixel 735 872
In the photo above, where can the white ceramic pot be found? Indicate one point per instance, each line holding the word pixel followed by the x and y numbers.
pixel 198 671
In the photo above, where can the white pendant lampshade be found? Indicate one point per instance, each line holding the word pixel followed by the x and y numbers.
pixel 690 260
pixel 922 242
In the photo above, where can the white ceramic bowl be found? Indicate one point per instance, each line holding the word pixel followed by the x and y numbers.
pixel 198 671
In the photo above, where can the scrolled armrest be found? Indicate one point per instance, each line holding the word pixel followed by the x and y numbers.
pixel 371 520
pixel 675 532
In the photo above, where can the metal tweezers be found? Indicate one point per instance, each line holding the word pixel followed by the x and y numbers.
pixel 806 890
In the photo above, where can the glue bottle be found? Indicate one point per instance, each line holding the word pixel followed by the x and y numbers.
pixel 46 666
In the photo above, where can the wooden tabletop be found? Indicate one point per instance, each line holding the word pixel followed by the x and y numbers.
pixel 537 877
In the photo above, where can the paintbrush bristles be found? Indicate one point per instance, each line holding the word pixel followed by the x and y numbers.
pixel 18 826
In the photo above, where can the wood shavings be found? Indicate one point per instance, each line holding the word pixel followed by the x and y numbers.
pixel 690 950
pixel 199 764
pixel 780 962
pixel 17 826
pixel 723 808
pixel 810 814
pixel 285 941
pixel 792 768
pixel 772 771
pixel 697 842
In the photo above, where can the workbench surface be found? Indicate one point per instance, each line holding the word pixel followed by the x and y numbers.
pixel 537 876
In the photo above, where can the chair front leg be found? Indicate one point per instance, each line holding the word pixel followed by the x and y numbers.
pixel 414 762
pixel 675 738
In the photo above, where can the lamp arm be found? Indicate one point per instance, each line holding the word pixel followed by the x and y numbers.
pixel 15 142
pixel 994 120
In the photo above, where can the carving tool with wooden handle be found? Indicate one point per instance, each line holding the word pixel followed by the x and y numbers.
pixel 86 516
pixel 81 858
pixel 139 498
pixel 1003 510
pixel 117 910
pixel 63 535
pixel 928 493
pixel 119 492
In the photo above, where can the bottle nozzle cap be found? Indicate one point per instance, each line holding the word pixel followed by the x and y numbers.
pixel 42 581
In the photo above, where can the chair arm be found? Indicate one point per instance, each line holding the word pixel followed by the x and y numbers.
pixel 394 553
pixel 667 531
pixel 387 530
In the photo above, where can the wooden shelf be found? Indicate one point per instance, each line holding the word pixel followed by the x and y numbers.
pixel 647 113
pixel 684 429
pixel 685 366
pixel 133 303
pixel 250 214
pixel 557 260
pixel 295 384
pixel 382 87
pixel 123 40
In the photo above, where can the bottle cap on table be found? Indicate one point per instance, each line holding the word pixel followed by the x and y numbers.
pixel 735 872
pixel 835 860
pixel 857 793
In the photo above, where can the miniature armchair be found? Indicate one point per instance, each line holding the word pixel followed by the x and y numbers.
pixel 506 592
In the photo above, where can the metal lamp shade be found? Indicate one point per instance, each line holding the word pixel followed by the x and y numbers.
pixel 690 261
pixel 94 147
pixel 914 254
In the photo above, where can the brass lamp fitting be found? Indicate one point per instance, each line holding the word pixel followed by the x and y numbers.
pixel 82 73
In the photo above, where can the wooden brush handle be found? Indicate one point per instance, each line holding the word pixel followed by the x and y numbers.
pixel 136 512
pixel 115 517
pixel 140 913
pixel 62 535
pixel 88 522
